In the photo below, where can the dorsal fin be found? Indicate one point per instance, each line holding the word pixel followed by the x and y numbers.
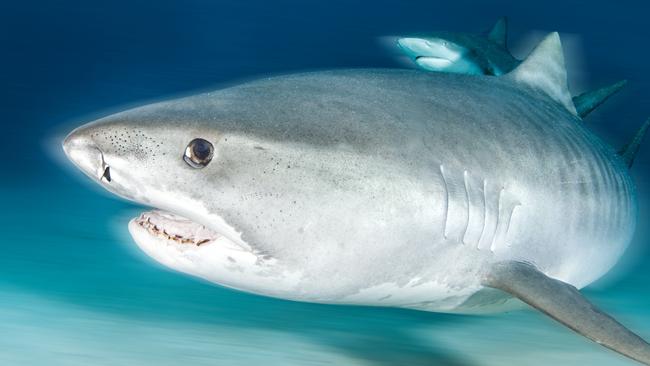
pixel 499 32
pixel 544 70
pixel 629 151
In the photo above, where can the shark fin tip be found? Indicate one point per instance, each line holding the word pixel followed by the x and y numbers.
pixel 499 32
pixel 628 153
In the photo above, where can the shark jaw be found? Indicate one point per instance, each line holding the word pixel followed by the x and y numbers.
pixel 197 250
pixel 188 247
pixel 431 48
pixel 182 244
pixel 178 230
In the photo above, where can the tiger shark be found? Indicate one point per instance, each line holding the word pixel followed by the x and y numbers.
pixel 484 54
pixel 384 187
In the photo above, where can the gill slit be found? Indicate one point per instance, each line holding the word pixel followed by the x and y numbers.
pixel 465 185
pixel 485 215
pixel 446 210
pixel 512 213
pixel 496 230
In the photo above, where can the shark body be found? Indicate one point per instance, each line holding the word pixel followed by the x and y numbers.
pixel 431 191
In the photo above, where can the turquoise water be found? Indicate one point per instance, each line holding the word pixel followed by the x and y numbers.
pixel 75 290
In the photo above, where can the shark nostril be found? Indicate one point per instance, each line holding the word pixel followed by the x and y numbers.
pixel 107 174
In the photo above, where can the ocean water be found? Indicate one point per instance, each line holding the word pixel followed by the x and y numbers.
pixel 74 289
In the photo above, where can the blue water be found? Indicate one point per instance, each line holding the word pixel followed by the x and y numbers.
pixel 74 289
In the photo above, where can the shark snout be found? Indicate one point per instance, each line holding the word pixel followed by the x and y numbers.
pixel 80 148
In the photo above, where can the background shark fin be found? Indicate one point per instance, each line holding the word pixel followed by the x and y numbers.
pixel 499 32
pixel 565 304
pixel 587 102
pixel 544 70
pixel 629 151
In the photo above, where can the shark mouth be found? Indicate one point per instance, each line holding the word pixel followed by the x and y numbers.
pixel 176 229
pixel 433 61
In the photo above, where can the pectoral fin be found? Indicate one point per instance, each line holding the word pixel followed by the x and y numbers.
pixel 565 304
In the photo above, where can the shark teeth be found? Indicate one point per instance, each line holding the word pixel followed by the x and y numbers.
pixel 176 228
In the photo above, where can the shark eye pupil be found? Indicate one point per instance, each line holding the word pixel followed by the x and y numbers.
pixel 202 149
pixel 198 153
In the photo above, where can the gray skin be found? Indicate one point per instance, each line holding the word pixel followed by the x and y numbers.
pixel 432 191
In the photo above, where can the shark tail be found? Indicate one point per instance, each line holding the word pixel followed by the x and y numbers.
pixel 629 151
pixel 565 304
pixel 585 103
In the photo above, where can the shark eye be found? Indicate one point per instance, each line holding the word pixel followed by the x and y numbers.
pixel 198 153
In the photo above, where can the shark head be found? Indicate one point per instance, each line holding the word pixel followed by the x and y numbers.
pixel 247 194
pixel 190 170
pixel 461 53
pixel 441 54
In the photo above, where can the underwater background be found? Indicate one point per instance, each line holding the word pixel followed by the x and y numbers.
pixel 75 290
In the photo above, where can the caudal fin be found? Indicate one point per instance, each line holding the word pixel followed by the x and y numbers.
pixel 566 304
pixel 587 102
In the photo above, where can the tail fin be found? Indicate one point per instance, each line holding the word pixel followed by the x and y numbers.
pixel 587 102
pixel 628 153
pixel 564 303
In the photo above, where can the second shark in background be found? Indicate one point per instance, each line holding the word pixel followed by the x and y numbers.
pixel 484 54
